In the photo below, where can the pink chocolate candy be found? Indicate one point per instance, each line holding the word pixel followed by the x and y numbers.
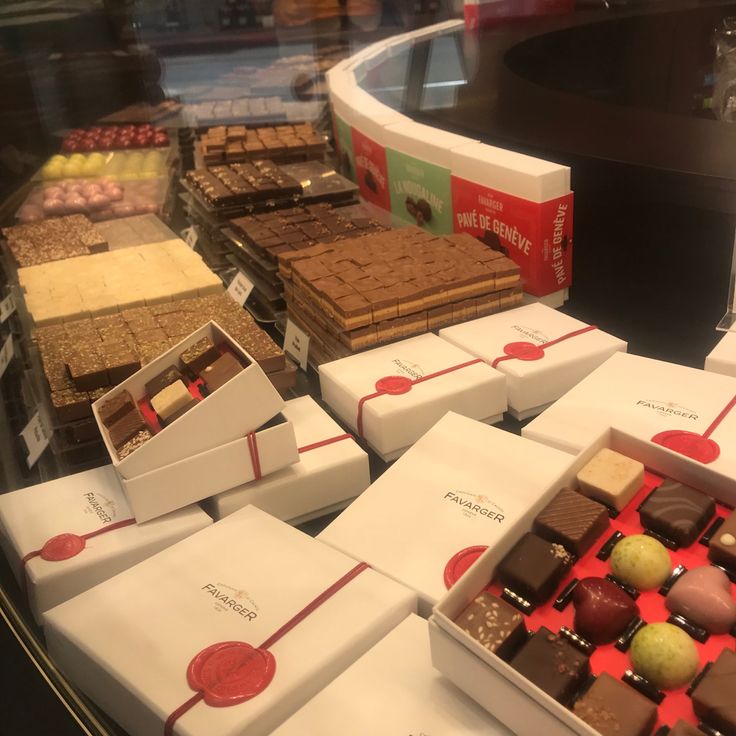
pixel 703 595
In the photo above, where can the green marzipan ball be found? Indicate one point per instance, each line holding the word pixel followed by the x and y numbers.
pixel 665 655
pixel 641 561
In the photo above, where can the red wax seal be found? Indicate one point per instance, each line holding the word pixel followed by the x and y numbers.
pixel 690 444
pixel 524 350
pixel 231 672
pixel 460 562
pixel 62 547
pixel 393 385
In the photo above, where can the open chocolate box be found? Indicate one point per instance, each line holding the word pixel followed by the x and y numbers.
pixel 564 616
pixel 200 419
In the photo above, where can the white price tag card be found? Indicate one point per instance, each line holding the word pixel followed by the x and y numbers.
pixel 191 236
pixel 240 288
pixel 296 344
pixel 6 354
pixel 36 435
pixel 7 307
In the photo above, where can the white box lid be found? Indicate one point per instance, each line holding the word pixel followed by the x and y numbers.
pixel 463 484
pixel 414 697
pixel 514 173
pixel 722 359
pixel 423 142
pixel 240 580
pixel 637 395
pixel 302 488
pixel 392 422
pixel 532 383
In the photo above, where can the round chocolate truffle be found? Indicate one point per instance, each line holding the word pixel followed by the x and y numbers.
pixel 641 561
pixel 665 655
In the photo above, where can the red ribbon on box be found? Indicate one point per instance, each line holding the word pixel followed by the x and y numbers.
pixel 255 458
pixel 530 351
pixel 324 443
pixel 231 672
pixel 67 545
pixel 696 446
pixel 395 385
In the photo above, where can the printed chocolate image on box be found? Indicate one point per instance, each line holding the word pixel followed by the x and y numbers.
pixel 420 192
pixel 371 171
pixel 344 142
pixel 537 236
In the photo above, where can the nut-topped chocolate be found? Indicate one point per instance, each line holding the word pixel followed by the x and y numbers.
pixel 534 568
pixel 552 664
pixel 496 625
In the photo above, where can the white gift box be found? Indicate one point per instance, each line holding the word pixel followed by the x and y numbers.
pixel 243 404
pixel 545 374
pixel 256 456
pixel 82 504
pixel 129 642
pixel 332 470
pixel 639 395
pixel 419 380
pixel 211 448
pixel 722 359
pixel 449 493
pixel 398 674
pixel 492 682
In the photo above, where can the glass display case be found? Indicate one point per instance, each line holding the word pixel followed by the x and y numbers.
pixel 359 183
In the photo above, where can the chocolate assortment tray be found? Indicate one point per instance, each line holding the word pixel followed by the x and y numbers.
pixel 619 604
pixel 200 370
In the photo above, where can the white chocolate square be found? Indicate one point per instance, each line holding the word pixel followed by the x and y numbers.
pixel 611 478
pixel 171 399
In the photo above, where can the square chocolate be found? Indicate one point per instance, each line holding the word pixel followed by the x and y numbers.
pixel 116 408
pixel 713 699
pixel 126 427
pixel 179 412
pixel 199 355
pixel 171 399
pixel 495 624
pixel 683 728
pixel 722 546
pixel 613 708
pixel 87 370
pixel 552 664
pixel 70 405
pixel 162 380
pixel 121 364
pixel 217 374
pixel 534 568
pixel 611 478
pixel 677 512
pixel 573 521
pixel 134 443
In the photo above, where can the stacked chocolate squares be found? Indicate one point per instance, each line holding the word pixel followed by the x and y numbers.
pixel 234 143
pixel 192 423
pixel 362 292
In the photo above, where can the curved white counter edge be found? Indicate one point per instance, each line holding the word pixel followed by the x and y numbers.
pixel 493 193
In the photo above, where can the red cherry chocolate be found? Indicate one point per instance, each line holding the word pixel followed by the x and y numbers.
pixel 602 610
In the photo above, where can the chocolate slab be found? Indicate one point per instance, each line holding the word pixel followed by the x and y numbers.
pixel 613 708
pixel 494 624
pixel 219 372
pixel 196 357
pixel 713 699
pixel 573 521
pixel 162 380
pixel 115 408
pixel 120 364
pixel 534 568
pixel 87 370
pixel 126 427
pixel 552 664
pixel 70 405
pixel 722 546
pixel 677 512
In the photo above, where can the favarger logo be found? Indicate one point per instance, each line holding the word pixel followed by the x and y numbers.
pixel 667 408
pixel 531 334
pixel 413 370
pixel 227 598
pixel 100 505
pixel 476 504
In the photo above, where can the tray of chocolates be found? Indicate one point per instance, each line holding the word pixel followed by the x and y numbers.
pixel 235 143
pixel 242 185
pixel 202 368
pixel 619 603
